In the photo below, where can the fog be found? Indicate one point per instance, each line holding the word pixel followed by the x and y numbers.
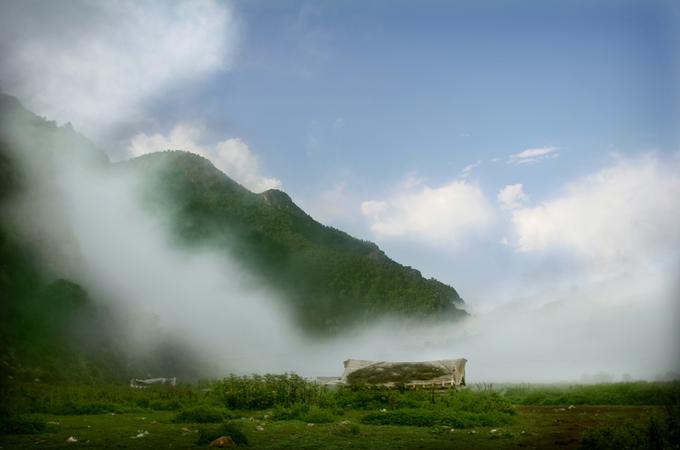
pixel 235 322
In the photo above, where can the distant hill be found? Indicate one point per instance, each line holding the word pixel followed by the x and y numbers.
pixel 332 280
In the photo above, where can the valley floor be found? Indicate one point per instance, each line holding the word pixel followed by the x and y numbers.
pixel 537 427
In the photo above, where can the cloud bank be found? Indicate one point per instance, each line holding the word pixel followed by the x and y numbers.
pixel 99 64
pixel 624 214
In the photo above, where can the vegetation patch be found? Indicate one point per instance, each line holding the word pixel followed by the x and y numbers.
pixel 207 435
pixel 202 414
pixel 305 413
pixel 660 431
pixel 24 424
pixel 437 417
pixel 633 393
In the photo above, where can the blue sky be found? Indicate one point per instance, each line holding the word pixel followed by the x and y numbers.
pixel 369 113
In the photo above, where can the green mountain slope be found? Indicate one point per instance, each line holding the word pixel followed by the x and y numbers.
pixel 332 279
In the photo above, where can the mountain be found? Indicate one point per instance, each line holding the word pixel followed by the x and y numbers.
pixel 332 281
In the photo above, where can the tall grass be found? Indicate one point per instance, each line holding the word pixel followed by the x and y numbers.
pixel 632 393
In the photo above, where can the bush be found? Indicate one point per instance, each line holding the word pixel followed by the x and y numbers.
pixel 661 431
pixel 201 414
pixel 206 436
pixel 262 392
pixel 26 424
pixel 319 415
pixel 305 413
pixel 633 393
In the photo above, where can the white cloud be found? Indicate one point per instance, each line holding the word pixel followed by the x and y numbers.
pixel 232 156
pixel 442 215
pixel 532 155
pixel 98 64
pixel 625 214
pixel 512 196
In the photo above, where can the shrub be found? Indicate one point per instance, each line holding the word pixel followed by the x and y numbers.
pixel 661 431
pixel 630 393
pixel 25 424
pixel 201 414
pixel 318 415
pixel 206 435
pixel 305 413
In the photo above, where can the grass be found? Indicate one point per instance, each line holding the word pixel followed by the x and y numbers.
pixel 300 414
pixel 632 393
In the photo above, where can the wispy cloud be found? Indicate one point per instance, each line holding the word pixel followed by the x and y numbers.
pixel 469 168
pixel 232 156
pixel 533 155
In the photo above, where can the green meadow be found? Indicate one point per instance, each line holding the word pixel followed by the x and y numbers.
pixel 287 411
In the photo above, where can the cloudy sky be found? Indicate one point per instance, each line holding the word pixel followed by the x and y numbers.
pixel 519 150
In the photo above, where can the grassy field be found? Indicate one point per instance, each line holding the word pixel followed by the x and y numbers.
pixel 281 412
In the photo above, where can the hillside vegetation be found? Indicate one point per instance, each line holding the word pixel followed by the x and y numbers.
pixel 332 279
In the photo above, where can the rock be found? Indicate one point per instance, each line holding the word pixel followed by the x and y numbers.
pixel 571 407
pixel 259 428
pixel 72 439
pixel 140 434
pixel 223 441
pixel 310 424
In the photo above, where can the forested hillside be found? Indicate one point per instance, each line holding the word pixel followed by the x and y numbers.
pixel 331 278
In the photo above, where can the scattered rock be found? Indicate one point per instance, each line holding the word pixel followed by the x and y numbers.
pixel 452 430
pixel 72 439
pixel 310 424
pixel 140 434
pixel 185 430
pixel 259 428
pixel 344 422
pixel 571 407
pixel 473 432
pixel 223 441
pixel 493 431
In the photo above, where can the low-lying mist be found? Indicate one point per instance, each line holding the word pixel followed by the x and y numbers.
pixel 234 322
